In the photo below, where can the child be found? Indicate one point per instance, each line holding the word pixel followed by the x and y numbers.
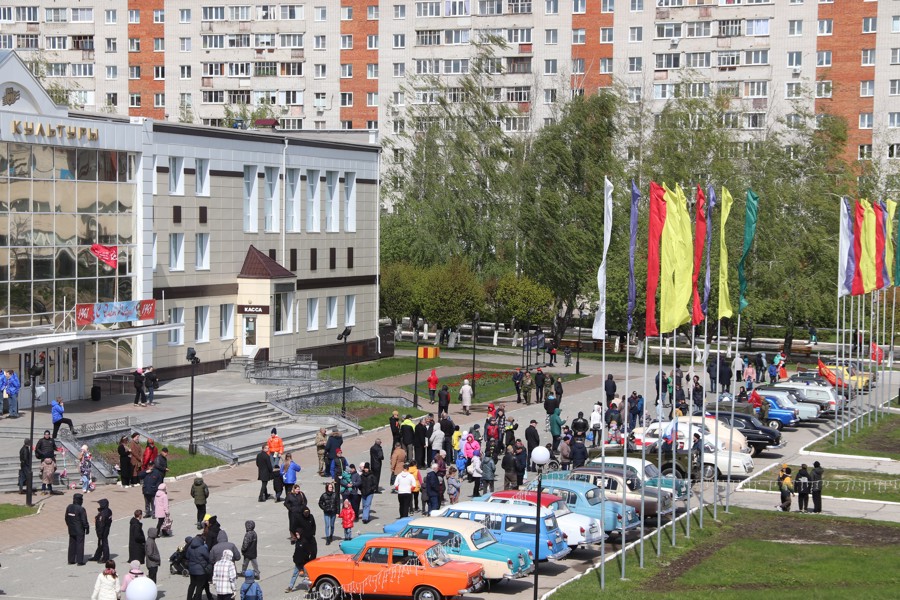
pixel 84 467
pixel 787 489
pixel 347 518
pixel 613 433
pixel 457 435
pixel 200 492
pixel 48 470
pixel 453 484
pixel 133 574
pixel 249 548
pixel 250 590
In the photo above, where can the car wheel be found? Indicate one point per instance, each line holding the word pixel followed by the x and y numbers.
pixel 710 473
pixel 755 451
pixel 327 588
pixel 426 593
pixel 775 424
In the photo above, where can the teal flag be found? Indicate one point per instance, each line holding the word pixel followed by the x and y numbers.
pixel 749 234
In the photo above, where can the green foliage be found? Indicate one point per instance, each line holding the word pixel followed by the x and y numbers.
pixel 521 298
pixel 449 294
pixel 398 291
pixel 245 114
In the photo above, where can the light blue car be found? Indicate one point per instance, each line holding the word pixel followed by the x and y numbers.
pixel 587 499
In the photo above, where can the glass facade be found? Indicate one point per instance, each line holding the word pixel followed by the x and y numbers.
pixel 54 203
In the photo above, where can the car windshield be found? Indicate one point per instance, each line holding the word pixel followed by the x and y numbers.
pixel 779 402
pixel 436 556
pixel 482 538
pixel 651 471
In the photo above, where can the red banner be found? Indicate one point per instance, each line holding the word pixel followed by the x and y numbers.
pixel 115 312
pixel 657 220
pixel 877 353
pixel 106 254
pixel 699 243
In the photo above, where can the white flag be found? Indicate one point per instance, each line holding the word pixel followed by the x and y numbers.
pixel 844 247
pixel 599 332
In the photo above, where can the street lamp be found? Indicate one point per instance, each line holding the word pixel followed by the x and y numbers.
pixel 474 336
pixel 578 349
pixel 343 336
pixel 35 371
pixel 194 360
pixel 540 456
pixel 415 324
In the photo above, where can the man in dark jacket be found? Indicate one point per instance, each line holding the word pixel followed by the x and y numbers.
pixel 532 437
pixel 609 386
pixel 102 524
pixel 222 544
pixel 432 490
pixel 517 382
pixel 420 433
pixel 521 463
pixel 580 426
pixel 152 479
pixel 395 426
pixel 77 522
pixel 334 443
pixel 199 564
pixel 443 400
pixel 711 371
pixel 613 414
pixel 802 487
pixel 264 473
pixel 579 453
pixel 368 486
pixel 539 380
pixel 45 448
pixel 250 548
pixel 376 458
pixel 724 374
pixel 509 469
pixel 136 541
pixel 447 426
pixel 815 485
pixel 25 476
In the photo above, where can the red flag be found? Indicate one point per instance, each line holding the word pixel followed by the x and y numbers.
pixel 877 353
pixel 699 242
pixel 827 373
pixel 859 214
pixel 107 254
pixel 755 399
pixel 657 220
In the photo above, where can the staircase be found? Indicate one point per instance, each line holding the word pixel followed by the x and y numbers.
pixel 239 364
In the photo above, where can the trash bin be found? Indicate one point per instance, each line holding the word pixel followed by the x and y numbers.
pixel 95 393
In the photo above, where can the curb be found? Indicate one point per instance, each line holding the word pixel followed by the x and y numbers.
pixel 863 500
pixel 202 473
pixel 850 456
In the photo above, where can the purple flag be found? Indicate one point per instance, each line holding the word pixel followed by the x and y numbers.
pixel 711 204
pixel 850 268
pixel 635 198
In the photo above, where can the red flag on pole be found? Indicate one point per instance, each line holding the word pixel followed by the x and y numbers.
pixel 657 220
pixel 877 353
pixel 699 243
pixel 107 254
pixel 827 373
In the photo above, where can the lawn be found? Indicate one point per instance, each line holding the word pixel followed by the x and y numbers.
pixel 180 461
pixel 489 385
pixel 372 415
pixel 12 511
pixel 385 367
pixel 869 485
pixel 880 439
pixel 756 554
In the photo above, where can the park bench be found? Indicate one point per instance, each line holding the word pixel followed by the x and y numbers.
pixel 797 349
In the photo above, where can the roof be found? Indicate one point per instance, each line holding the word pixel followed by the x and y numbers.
pixel 546 499
pixel 259 266
pixel 517 510
pixel 411 543
pixel 568 484
pixel 461 525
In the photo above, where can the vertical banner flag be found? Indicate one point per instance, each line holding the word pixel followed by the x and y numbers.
pixel 599 332
pixel 106 254
pixel 699 243
pixel 632 244
pixel 864 279
pixel 877 354
pixel 711 193
pixel 654 235
pixel 675 289
pixel 882 243
pixel 724 298
pixel 879 245
pixel 889 259
pixel 749 234
pixel 846 263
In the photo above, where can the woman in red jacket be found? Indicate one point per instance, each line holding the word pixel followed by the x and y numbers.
pixel 432 384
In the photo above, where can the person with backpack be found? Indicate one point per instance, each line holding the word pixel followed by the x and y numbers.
pixel 151 380
pixel 250 589
pixel 802 485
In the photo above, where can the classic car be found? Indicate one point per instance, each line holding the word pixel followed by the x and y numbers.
pixel 806 411
pixel 462 540
pixel 826 397
pixel 588 499
pixel 758 435
pixel 651 477
pixel 396 567
pixel 653 431
pixel 579 529
pixel 780 414
pixel 613 479
pixel 510 523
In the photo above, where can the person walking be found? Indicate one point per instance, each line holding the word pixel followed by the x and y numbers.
pixel 77 523
pixel 815 479
pixel 509 469
pixel 539 380
pixel 405 484
pixel 10 386
pixel 151 380
pixel 376 459
pixel 140 398
pixel 224 577
pixel 444 400
pixel 25 473
pixel 330 503
pixel 368 486
pixel 737 367
pixel 348 517
pixel 532 437
pixel 305 548
pixel 199 565
pixel 527 386
pixel 290 470
pixel 250 548
pixel 200 493
pixel 294 502
pixel 264 473
pixel 787 490
pixel 152 554
pixel 466 394
pixel 398 459
pixel 609 387
pixel 321 440
pixel 802 487
pixel 432 385
pixel 137 543
pixel 106 586
pixel 353 494
pixel 161 507
pixel 475 471
pixel 102 525
pixel 57 412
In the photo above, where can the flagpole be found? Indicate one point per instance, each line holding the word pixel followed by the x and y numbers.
pixel 716 398
pixel 659 409
pixel 737 354
pixel 674 417
pixel 882 306
pixel 891 355
pixel 873 320
pixel 844 351
pixel 687 532
pixel 703 408
pixel 860 343
pixel 644 448
pixel 625 441
pixel 603 470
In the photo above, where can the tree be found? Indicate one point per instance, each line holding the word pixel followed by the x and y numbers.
pixel 522 299
pixel 450 294
pixel 398 291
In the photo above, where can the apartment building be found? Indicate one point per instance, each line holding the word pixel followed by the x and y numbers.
pixel 349 64
pixel 124 241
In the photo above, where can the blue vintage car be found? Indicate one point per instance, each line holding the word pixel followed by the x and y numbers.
pixel 587 499
pixel 511 524
pixel 780 414
pixel 462 540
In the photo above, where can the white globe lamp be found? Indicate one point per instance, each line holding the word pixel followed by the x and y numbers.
pixel 141 588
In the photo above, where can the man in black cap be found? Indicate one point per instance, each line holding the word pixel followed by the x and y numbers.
pixel 77 522
pixel 102 524
pixel 24 466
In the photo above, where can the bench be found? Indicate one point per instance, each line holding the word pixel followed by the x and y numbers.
pixel 573 344
pixel 612 345
pixel 804 349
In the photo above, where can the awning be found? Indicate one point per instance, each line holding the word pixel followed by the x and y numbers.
pixel 70 338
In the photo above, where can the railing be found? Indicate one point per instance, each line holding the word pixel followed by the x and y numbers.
pixel 203 440
pixel 229 349
pixel 301 407
pixel 103 426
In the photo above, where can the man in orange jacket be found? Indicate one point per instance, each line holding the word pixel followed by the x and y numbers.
pixel 275 448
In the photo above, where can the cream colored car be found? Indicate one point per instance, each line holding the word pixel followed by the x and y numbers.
pixel 723 434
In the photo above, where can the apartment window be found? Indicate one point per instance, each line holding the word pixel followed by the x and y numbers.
pixel 159 16
pixel 134 44
pixel 319 71
pixel 731 120
pixel 176 252
pixel 551 36
pixel 346 13
pixel 894 120
pixel 159 72
pixel 794 121
pixel 606 65
pixel 112 99
pixel 372 13
pixel 251 199
pixel 756 89
pixel 579 6
pixel 226 321
pixel 284 312
pixel 112 45
pixel 350 310
pixel 372 42
pixel 664 91
pixel 53 15
pixel 372 71
pixel 134 17
pixel 347 98
pixel 671 60
pixel 606 35
pixel 823 89
pixel 399 69
pixel 636 34
pixel 795 27
pixel 550 67
pixel 202 257
pixel 330 312
pixel 895 56
pixel 346 42
pixel 112 72
pixel 292 200
pixel 870 24
pixel 757 57
pixel 399 40
pixel 730 28
pixel 867 88
pixel 637 5
pixel 635 64
pixel 272 198
pixel 668 30
pixel 201 177
pixel 201 323
pixel 134 72
pixel 756 27
pixel 312 314
pixel 291 40
pixel 697 89
pixel 754 120
pixel 695 29
pixel 607 6
pixel 292 12
pixel 793 89
pixel 826 27
pixel 321 13
pixel 371 98
pixel 865 152
pixel 823 58
pixel 176 336
pixel 312 201
pixel 184 15
pixel 895 24
pixel 399 11
pixel 697 60
pixel 350 202
pixel 893 151
pixel 794 59
pixel 634 95
pixel 319 42
pixel 346 73
pixel 82 69
pixel 111 17
pixel 550 96
pixel 578 36
pixel 868 57
pixel 578 66
pixel 866 120
pixel 184 44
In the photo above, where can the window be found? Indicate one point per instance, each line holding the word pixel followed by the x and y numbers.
pixel 579 6
pixel 696 89
pixel 176 336
pixel 455 37
pixel 894 120
pixel 372 13
pixel 607 6
pixel 272 199
pixel 55 15
pixel 201 323
pixel 664 91
pixel 346 73
pixel 869 25
pixel 399 40
pixel 794 121
pixel 251 199
pixel 291 40
pixel 794 59
pixel 867 88
pixel 757 57
pixel 184 44
pixel 550 67
pixel 292 12
pixel 134 72
pixel 637 5
pixel 319 42
pixel 757 27
pixel 428 9
pixel 134 17
pixel 730 28
pixel 634 95
pixel 697 60
pixel 823 58
pixel 893 151
pixel 350 310
pixel 606 35
pixel 111 17
pixel 578 66
pixel 868 57
pixel 330 312
pixel 895 56
pixel 347 97
pixel 134 44
pixel 668 30
pixel 636 34
pixel 312 201
pixel 176 252
pixel 159 16
pixel 112 72
pixel 372 42
pixel 823 89
pixel 112 45
pixel 284 312
pixel 226 321
pixel 670 60
pixel 866 120
pixel 312 314
pixel 606 65
pixel 184 15
pixel 578 36
pixel 457 8
pixel 82 15
pixel 176 176
pixel 159 72
pixel 350 202
pixel 795 27
pixel 731 120
pixel 756 89
pixel 399 11
pixel 551 36
pixel 399 69
pixel 321 13
pixel 865 152
pixel 332 206
pixel 550 96
pixel 82 69
pixel 372 71
pixel 112 99
pixel 793 89
pixel 346 13
pixel 895 24
pixel 635 64
pixel 371 98
pixel 826 27
pixel 319 71
pixel 696 29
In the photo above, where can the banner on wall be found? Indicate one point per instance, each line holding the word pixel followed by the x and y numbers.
pixel 115 312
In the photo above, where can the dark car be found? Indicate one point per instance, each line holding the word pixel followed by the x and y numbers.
pixel 809 376
pixel 759 437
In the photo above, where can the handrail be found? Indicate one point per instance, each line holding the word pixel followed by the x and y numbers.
pixel 227 348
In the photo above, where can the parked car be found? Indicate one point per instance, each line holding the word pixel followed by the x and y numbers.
pixel 826 397
pixel 510 523
pixel 812 377
pixel 859 367
pixel 737 441
pixel 805 410
pixel 858 380
pixel 613 479
pixel 588 499
pixel 726 405
pixel 650 478
pixel 578 529
pixel 396 567
pixel 685 434
pixel 462 540
pixel 780 414
pixel 758 435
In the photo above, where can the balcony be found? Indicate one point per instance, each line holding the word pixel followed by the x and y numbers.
pixel 526 49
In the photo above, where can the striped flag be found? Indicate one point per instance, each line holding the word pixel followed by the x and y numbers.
pixel 724 298
pixel 697 311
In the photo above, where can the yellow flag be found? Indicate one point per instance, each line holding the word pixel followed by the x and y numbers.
pixel 867 260
pixel 889 241
pixel 724 298
pixel 676 270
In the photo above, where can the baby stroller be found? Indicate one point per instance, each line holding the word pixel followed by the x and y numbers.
pixel 178 562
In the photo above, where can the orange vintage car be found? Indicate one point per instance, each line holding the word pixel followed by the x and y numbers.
pixel 394 567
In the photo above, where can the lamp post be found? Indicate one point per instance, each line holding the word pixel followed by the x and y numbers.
pixel 474 336
pixel 540 456
pixel 194 360
pixel 343 336
pixel 415 324
pixel 35 371
pixel 578 349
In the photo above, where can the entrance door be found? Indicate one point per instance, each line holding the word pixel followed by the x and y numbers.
pixel 62 374
pixel 249 345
